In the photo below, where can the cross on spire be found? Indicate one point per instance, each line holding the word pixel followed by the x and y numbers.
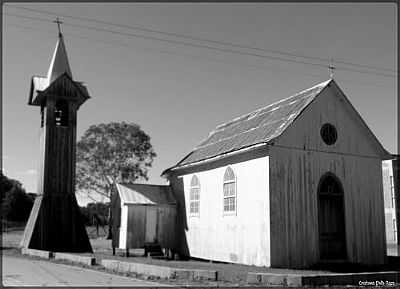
pixel 58 24
pixel 331 68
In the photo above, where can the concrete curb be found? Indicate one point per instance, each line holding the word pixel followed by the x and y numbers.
pixel 356 279
pixel 37 253
pixel 271 279
pixel 159 271
pixel 86 260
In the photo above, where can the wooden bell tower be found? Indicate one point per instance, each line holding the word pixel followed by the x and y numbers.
pixel 55 223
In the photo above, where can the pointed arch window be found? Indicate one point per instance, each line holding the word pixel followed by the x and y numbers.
pixel 229 188
pixel 194 198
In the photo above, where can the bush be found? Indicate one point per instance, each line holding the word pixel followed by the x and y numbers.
pixel 95 212
pixel 16 205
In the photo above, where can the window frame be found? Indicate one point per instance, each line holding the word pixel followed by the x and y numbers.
pixel 225 182
pixel 328 133
pixel 393 198
pixel 197 186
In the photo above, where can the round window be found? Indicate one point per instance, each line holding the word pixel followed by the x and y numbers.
pixel 328 134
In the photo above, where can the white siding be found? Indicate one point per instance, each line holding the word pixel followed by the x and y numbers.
pixel 240 238
pixel 123 226
pixel 390 207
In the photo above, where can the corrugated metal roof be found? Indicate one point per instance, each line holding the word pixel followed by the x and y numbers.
pixel 145 194
pixel 259 126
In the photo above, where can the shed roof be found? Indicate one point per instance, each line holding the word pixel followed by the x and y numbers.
pixel 259 126
pixel 145 194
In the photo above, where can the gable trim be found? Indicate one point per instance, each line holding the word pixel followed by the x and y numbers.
pixel 214 158
pixel 383 152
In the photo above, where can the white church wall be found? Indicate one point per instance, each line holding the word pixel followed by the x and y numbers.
pixel 242 237
pixel 390 207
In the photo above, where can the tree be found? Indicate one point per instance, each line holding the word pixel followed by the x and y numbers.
pixel 7 184
pixel 121 151
pixel 16 204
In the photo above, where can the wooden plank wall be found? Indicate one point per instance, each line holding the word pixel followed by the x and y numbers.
pixel 294 207
pixel 136 226
pixel 60 146
pixel 140 225
pixel 115 216
pixel 58 224
pixel 166 228
pixel 299 158
pixel 177 187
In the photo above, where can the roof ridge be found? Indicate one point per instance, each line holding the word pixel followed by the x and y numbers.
pixel 218 127
pixel 218 141
pixel 242 132
pixel 322 84
pixel 124 183
pixel 257 112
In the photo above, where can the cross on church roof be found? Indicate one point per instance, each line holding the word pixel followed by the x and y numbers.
pixel 58 25
pixel 331 68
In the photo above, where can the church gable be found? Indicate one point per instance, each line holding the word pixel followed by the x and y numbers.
pixel 330 123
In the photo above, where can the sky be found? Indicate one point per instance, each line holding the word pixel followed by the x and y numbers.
pixel 179 92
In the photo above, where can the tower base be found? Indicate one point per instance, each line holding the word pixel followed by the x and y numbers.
pixel 55 224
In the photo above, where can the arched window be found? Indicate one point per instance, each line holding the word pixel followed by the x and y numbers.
pixel 61 113
pixel 229 191
pixel 194 198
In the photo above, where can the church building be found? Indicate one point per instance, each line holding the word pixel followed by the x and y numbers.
pixel 291 184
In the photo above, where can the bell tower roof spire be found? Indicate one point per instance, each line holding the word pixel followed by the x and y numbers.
pixel 59 62
pixel 58 79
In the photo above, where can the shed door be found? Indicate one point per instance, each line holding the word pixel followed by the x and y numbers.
pixel 332 234
pixel 151 224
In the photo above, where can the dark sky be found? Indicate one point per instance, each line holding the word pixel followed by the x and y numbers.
pixel 179 93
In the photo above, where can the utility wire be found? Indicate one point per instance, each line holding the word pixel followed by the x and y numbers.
pixel 200 46
pixel 120 44
pixel 174 41
pixel 258 67
pixel 141 28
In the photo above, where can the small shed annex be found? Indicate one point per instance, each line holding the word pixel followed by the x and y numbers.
pixel 289 185
pixel 142 215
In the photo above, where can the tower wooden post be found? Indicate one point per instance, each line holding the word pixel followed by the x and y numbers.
pixel 55 223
